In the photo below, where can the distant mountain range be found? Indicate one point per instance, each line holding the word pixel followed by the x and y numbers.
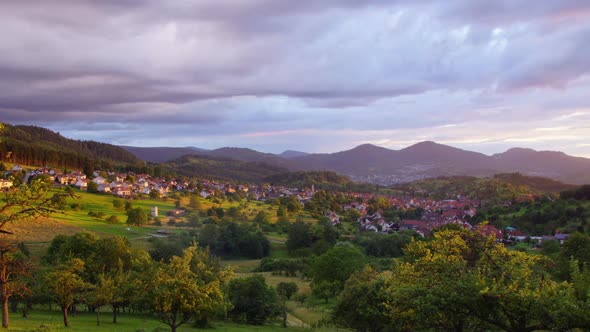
pixel 370 163
pixel 32 145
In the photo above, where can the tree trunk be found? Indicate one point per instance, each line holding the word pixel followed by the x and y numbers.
pixel 114 315
pixel 4 308
pixel 98 316
pixel 64 310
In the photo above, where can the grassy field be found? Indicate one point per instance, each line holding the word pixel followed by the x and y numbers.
pixel 81 322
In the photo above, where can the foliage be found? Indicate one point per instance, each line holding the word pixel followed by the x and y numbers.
pixel 252 300
pixel 287 289
pixel 137 217
pixel 65 284
pixel 461 280
pixel 185 289
pixel 231 239
pixel 27 201
pixel 299 236
pixel 384 245
pixel 497 189
pixel 335 267
pixel 13 272
pixel 360 305
pixel 542 217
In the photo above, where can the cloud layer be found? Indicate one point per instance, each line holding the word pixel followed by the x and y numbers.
pixel 308 75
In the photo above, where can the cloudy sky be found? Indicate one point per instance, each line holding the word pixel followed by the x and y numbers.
pixel 310 75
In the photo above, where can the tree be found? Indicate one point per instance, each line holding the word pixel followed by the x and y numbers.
pixel 360 306
pixel 136 217
pixel 66 285
pixel 287 289
pixel 13 269
pixel 281 211
pixel 299 236
pixel 253 301
pixel 194 203
pixel 92 187
pixel 576 247
pixel 461 280
pixel 337 265
pixel 24 202
pixel 118 204
pixel 102 294
pixel 185 289
pixel 128 206
pixel 154 194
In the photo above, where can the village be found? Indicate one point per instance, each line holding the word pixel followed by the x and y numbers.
pixel 433 213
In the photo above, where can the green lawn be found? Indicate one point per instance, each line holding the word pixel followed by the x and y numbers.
pixel 101 203
pixel 126 323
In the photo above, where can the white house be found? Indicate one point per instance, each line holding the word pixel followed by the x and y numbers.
pixel 5 183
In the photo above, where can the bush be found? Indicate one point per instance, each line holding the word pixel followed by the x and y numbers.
pixel 113 219
pixel 98 215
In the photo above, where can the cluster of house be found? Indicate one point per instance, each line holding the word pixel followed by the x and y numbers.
pixel 434 213
pixel 130 184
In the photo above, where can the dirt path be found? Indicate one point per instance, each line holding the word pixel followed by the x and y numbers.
pixel 295 322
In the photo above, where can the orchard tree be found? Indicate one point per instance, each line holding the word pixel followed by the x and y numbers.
pixel 287 289
pixel 65 284
pixel 186 289
pixel 13 270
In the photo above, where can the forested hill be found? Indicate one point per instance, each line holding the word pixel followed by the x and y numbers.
pixel 499 188
pixel 221 168
pixel 319 179
pixel 31 145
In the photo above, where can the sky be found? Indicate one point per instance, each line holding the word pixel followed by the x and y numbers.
pixel 308 75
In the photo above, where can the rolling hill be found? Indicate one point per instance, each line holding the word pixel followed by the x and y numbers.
pixel 374 164
pixel 161 154
pixel 31 145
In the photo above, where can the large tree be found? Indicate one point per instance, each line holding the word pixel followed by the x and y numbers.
pixel 185 289
pixel 66 286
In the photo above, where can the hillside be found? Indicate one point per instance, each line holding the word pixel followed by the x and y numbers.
pixel 319 179
pixel 31 145
pixel 161 154
pixel 221 168
pixel 537 183
pixel 500 188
